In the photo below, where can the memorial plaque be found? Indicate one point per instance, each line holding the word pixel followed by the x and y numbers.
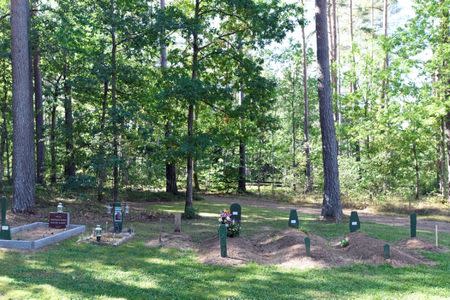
pixel 354 222
pixel 293 219
pixel 235 210
pixel 58 220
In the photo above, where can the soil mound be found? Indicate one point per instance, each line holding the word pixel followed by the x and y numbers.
pixel 365 249
pixel 418 244
pixel 179 241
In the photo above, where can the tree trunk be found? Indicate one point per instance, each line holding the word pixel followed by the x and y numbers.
pixel 190 160
pixel 331 207
pixel 4 132
pixel 242 188
pixel 416 170
pixel 39 113
pixel 114 117
pixel 384 96
pixel 101 168
pixel 24 175
pixel 171 170
pixel 308 170
pixel 69 166
pixel 53 133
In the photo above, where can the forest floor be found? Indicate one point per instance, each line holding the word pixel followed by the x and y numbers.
pixel 188 266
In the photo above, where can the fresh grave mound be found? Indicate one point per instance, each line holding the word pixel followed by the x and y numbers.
pixel 175 240
pixel 365 249
pixel 285 248
pixel 36 233
pixel 418 244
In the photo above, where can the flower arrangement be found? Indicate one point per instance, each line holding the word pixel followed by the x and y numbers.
pixel 233 228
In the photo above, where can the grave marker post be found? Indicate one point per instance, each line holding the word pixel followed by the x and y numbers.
pixel 117 217
pixel 5 230
pixel 387 251
pixel 293 219
pixel 413 224
pixel 308 246
pixel 354 222
pixel 223 240
pixel 236 214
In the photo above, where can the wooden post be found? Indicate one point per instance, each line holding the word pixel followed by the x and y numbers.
pixel 437 237
pixel 177 222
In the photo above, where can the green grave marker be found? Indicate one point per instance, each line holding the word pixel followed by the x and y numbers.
pixel 308 246
pixel 387 251
pixel 293 219
pixel 413 224
pixel 5 230
pixel 223 240
pixel 235 210
pixel 354 222
pixel 117 217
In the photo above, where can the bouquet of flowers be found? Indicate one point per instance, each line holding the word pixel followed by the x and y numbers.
pixel 233 228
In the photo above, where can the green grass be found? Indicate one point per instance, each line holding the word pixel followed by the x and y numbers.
pixel 133 271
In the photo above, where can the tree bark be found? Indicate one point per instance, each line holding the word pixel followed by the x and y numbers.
pixel 101 173
pixel 69 165
pixel 308 169
pixel 331 207
pixel 114 117
pixel 4 132
pixel 190 160
pixel 39 114
pixel 24 175
pixel 242 188
pixel 53 163
pixel 171 170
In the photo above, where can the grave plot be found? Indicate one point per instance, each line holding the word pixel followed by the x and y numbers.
pixel 39 234
pixel 109 238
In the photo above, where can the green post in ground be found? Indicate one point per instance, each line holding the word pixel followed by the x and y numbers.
pixel 413 224
pixel 354 222
pixel 387 251
pixel 308 246
pixel 223 240
pixel 293 219
pixel 5 231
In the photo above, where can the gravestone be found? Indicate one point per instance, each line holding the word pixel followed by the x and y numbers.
pixel 308 246
pixel 235 210
pixel 58 220
pixel 293 219
pixel 387 251
pixel 177 223
pixel 117 217
pixel 413 224
pixel 223 240
pixel 5 230
pixel 354 223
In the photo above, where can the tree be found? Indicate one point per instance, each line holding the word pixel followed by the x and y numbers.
pixel 23 131
pixel 331 207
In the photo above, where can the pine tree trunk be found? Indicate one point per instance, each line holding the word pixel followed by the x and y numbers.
pixel 4 135
pixel 190 160
pixel 39 113
pixel 308 170
pixel 24 175
pixel 171 170
pixel 242 188
pixel 53 162
pixel 101 168
pixel 331 207
pixel 114 117
pixel 69 166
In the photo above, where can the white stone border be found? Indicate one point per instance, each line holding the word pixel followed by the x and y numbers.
pixel 72 230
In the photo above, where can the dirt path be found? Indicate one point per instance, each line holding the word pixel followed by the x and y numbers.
pixel 364 216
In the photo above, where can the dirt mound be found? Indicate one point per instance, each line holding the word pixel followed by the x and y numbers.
pixel 365 249
pixel 179 241
pixel 284 248
pixel 287 249
pixel 418 244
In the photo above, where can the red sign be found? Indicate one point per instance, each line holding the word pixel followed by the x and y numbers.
pixel 58 220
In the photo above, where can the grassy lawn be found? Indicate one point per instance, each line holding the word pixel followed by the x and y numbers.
pixel 133 271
